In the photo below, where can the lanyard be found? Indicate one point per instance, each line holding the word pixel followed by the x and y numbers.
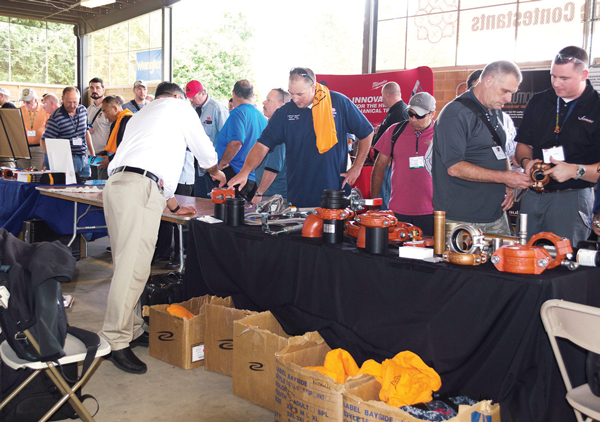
pixel 558 128
pixel 30 119
pixel 75 125
pixel 417 134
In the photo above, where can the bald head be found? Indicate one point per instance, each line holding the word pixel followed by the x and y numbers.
pixel 390 94
pixel 50 103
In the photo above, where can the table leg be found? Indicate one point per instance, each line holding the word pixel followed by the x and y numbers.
pixel 180 228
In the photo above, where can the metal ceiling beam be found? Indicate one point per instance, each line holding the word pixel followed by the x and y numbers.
pixel 85 20
pixel 122 14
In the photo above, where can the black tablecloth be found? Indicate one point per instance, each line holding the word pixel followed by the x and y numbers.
pixel 480 329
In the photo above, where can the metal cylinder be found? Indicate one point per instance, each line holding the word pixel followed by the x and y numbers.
pixel 234 210
pixel 522 229
pixel 219 212
pixel 439 232
pixel 377 240
pixel 333 231
pixel 496 243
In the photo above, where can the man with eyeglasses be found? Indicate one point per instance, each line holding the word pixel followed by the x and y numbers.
pixel 404 148
pixel 561 127
pixel 143 177
pixel 472 180
pixel 313 127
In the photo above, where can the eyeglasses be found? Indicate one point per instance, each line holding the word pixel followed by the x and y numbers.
pixel 301 72
pixel 562 59
pixel 416 116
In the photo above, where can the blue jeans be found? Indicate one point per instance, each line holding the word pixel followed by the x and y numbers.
pixel 81 166
pixel 203 185
pixel 386 189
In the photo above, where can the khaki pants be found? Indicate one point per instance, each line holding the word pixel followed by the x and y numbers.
pixel 37 159
pixel 133 205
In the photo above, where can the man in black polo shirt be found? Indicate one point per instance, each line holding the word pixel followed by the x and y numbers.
pixel 391 96
pixel 561 127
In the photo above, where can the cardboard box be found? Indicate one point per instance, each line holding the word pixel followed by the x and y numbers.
pixel 176 340
pixel 306 395
pixel 218 334
pixel 256 339
pixel 361 403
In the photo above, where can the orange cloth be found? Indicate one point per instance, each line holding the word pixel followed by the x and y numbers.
pixel 111 145
pixel 323 123
pixel 180 311
pixel 372 368
pixel 407 380
pixel 338 365
pixel 35 121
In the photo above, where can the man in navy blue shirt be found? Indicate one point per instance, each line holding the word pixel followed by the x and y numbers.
pixel 310 171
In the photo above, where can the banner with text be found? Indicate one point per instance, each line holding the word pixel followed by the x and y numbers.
pixel 148 65
pixel 365 90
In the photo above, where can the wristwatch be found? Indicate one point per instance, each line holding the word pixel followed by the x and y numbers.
pixel 580 172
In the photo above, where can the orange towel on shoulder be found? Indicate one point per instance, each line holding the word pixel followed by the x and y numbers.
pixel 111 145
pixel 323 123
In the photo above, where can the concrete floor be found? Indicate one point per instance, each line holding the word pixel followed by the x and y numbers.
pixel 165 392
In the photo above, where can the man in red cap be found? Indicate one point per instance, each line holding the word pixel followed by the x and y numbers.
pixel 213 115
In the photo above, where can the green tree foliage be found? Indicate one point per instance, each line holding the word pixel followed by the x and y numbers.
pixel 218 59
pixel 36 52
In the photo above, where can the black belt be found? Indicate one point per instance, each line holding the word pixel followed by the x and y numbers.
pixel 33 145
pixel 143 172
pixel 554 191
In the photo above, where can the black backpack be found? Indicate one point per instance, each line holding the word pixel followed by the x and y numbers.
pixel 37 305
pixel 38 308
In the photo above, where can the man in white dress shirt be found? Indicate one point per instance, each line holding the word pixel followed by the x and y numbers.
pixel 149 159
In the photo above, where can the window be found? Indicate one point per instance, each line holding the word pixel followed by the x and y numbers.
pixel 36 52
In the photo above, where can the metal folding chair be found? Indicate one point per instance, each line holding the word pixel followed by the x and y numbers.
pixel 581 325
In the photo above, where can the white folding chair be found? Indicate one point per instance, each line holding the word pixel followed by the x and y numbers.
pixel 75 351
pixel 581 325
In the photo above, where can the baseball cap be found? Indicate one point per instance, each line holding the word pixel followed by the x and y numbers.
pixel 139 83
pixel 5 92
pixel 422 103
pixel 192 88
pixel 28 94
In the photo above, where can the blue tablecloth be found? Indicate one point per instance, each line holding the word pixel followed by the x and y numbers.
pixel 22 201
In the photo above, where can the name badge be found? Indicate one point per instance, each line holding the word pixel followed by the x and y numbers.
pixel 31 133
pixel 498 152
pixel 416 162
pixel 558 153
pixel 77 142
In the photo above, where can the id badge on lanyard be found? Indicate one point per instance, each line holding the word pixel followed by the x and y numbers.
pixel 499 152
pixel 417 162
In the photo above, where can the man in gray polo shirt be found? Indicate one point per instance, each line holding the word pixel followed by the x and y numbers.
pixel 213 116
pixel 472 181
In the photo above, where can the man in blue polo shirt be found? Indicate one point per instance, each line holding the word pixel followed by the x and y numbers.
pixel 312 168
pixel 70 121
pixel 239 134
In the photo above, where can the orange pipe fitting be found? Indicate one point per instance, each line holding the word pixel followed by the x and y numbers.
pixel 539 180
pixel 352 228
pixel 376 220
pixel 327 214
pixel 521 259
pixel 472 259
pixel 313 226
pixel 219 195
pixel 562 245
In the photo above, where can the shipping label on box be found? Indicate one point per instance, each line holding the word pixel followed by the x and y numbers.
pixel 175 340
pixel 256 339
pixel 218 334
pixel 362 404
pixel 306 395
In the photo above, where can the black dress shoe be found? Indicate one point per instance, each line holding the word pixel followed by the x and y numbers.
pixel 127 361
pixel 142 340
